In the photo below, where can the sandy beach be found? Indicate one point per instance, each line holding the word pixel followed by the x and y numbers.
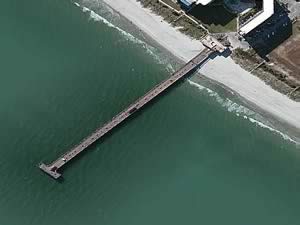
pixel 221 69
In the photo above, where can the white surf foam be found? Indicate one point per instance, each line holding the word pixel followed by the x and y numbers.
pixel 285 136
pixel 231 106
pixel 226 103
pixel 129 37
pixel 240 111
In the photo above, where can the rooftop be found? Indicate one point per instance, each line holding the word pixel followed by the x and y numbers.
pixel 188 3
pixel 267 12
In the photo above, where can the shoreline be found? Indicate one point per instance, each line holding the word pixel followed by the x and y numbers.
pixel 282 125
pixel 222 70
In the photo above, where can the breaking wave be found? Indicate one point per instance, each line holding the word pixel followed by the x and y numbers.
pixel 285 136
pixel 129 37
pixel 241 111
pixel 231 106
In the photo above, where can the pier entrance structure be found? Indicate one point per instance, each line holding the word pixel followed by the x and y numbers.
pixel 52 168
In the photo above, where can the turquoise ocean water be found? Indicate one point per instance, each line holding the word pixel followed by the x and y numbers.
pixel 196 156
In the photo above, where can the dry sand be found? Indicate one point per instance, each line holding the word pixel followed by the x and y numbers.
pixel 220 69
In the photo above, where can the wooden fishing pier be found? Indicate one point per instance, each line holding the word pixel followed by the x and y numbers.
pixel 52 168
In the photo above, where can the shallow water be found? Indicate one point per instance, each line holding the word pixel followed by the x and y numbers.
pixel 192 157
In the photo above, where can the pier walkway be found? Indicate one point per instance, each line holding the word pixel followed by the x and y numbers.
pixel 52 169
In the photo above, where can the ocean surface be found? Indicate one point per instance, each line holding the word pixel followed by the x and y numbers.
pixel 198 155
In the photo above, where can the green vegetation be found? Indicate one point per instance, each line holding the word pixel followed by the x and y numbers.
pixel 172 4
pixel 215 17
pixel 190 28
pixel 270 75
pixel 246 16
pixel 184 24
pixel 229 27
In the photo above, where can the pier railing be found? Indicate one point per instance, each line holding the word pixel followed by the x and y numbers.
pixel 52 168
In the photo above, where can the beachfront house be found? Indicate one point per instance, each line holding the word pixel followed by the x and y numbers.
pixel 260 17
pixel 253 22
pixel 189 3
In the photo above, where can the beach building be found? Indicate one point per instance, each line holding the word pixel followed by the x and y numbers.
pixel 259 18
pixel 189 3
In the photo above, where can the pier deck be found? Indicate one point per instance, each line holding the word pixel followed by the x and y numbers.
pixel 52 168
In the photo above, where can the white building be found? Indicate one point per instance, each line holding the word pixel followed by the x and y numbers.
pixel 259 18
pixel 188 3
pixel 203 2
